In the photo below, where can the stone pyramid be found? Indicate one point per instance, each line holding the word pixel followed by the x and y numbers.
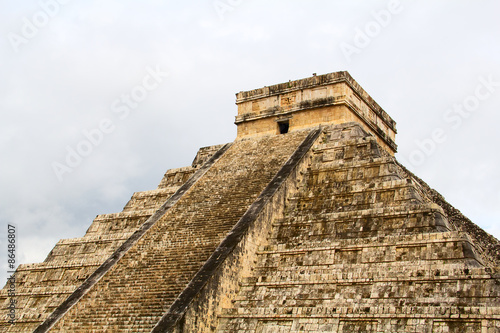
pixel 305 223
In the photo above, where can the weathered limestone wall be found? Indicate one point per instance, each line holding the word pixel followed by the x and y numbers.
pixel 327 99
pixel 487 245
pixel 204 155
pixel 363 249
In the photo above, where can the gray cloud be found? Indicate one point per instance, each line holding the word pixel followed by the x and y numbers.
pixel 64 80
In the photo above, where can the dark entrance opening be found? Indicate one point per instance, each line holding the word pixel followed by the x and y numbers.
pixel 283 126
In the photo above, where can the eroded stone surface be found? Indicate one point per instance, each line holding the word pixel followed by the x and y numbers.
pixel 362 247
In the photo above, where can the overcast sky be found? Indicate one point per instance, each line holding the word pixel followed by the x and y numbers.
pixel 67 67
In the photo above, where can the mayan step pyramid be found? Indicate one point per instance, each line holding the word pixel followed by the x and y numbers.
pixel 305 223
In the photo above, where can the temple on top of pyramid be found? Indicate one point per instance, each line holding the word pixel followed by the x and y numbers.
pixel 305 223
pixel 333 98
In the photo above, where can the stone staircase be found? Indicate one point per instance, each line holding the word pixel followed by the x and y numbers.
pixel 363 248
pixel 134 294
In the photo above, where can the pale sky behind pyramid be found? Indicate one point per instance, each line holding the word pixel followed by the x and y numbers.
pixel 66 68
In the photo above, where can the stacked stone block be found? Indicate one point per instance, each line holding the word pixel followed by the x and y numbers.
pixel 361 248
